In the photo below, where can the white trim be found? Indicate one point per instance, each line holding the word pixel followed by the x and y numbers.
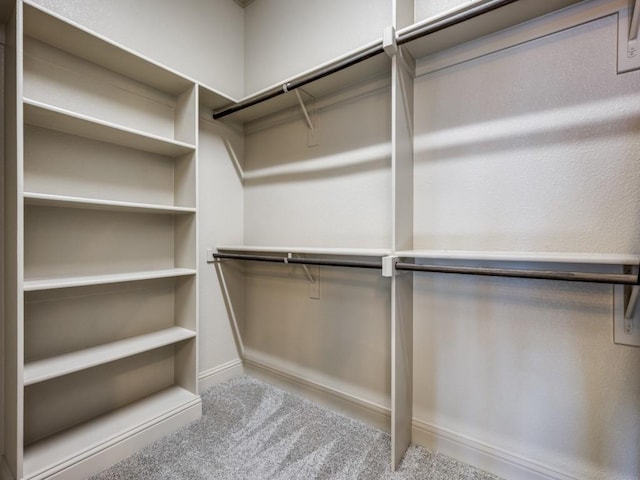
pixel 88 463
pixel 353 406
pixel 549 24
pixel 219 374
pixel 482 455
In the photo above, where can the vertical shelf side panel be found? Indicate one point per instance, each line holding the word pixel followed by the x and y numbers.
pixel 13 246
pixel 402 284
pixel 186 368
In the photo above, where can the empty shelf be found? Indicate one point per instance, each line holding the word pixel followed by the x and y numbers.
pixel 59 119
pixel 534 257
pixel 42 370
pixel 354 252
pixel 55 452
pixel 50 200
pixel 83 281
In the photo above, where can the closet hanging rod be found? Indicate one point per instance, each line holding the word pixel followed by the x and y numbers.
pixel 450 21
pixel 298 261
pixel 424 30
pixel 607 278
pixel 302 81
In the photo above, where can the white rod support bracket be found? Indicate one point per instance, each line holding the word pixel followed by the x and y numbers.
pixel 314 280
pixel 389 266
pixel 628 43
pixel 631 303
pixel 313 129
pixel 389 41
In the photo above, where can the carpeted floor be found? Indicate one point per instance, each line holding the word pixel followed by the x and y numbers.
pixel 253 431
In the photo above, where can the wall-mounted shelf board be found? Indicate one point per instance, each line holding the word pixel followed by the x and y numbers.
pixel 54 118
pixel 49 200
pixel 81 441
pixel 353 75
pixel 533 257
pixel 55 30
pixel 46 369
pixel 500 18
pixel 34 284
pixel 353 252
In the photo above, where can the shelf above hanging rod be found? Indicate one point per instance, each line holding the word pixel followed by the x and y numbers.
pixel 298 261
pixel 351 252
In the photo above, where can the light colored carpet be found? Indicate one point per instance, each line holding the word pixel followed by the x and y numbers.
pixel 253 431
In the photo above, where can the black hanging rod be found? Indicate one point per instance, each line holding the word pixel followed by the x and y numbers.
pixel 298 261
pixel 608 278
pixel 363 55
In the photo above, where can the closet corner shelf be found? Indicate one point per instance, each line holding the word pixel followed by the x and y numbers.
pixel 51 200
pixel 54 453
pixel 35 284
pixel 54 118
pixel 472 21
pixel 49 368
pixel 53 29
pixel 352 252
pixel 534 257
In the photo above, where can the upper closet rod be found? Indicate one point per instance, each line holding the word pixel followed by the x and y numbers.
pixel 363 55
pixel 608 278
pixel 450 21
pixel 298 261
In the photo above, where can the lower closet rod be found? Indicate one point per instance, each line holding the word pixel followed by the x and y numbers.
pixel 298 261
pixel 608 278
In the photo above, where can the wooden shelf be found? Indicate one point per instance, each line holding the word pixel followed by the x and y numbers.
pixel 533 257
pixel 64 201
pixel 368 69
pixel 353 252
pixel 493 21
pixel 42 370
pixel 54 118
pixel 66 35
pixel 55 452
pixel 34 284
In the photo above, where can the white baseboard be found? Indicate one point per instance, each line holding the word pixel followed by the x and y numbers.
pixel 481 455
pixel 361 409
pixel 219 374
pixel 5 473
pixel 103 457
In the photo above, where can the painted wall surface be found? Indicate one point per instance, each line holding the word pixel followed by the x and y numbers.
pixel 530 149
pixel 286 37
pixel 219 222
pixel 335 194
pixel 202 39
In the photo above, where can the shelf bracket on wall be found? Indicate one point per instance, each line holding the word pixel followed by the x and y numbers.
pixel 314 280
pixel 310 116
pixel 628 30
pixel 626 321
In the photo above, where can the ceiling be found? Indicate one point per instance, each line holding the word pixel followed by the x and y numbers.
pixel 244 3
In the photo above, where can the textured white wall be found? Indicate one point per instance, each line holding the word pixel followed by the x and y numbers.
pixel 286 37
pixel 219 222
pixel 533 148
pixel 199 38
pixel 336 194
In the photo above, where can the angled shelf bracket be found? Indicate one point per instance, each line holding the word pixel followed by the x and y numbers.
pixel 314 280
pixel 628 45
pixel 310 116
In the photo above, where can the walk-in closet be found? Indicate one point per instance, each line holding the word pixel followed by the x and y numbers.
pixel 419 215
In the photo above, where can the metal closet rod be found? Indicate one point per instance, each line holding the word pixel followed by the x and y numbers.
pixel 298 261
pixel 608 278
pixel 362 56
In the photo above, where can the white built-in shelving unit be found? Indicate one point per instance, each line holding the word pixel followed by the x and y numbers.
pixel 101 214
pixel 101 331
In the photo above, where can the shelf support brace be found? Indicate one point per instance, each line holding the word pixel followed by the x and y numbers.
pixel 628 31
pixel 313 129
pixel 314 282
pixel 630 307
